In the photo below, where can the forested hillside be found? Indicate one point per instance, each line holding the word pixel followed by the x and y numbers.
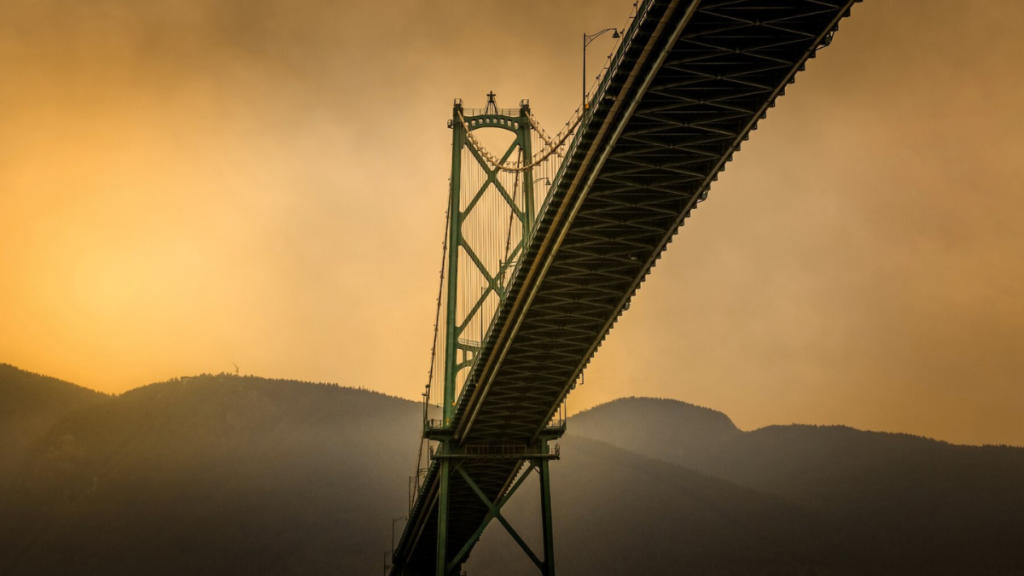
pixel 243 475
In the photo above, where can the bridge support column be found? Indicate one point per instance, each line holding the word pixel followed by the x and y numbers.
pixel 442 520
pixel 454 464
pixel 546 516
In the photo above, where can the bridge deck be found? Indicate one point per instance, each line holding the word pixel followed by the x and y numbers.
pixel 687 86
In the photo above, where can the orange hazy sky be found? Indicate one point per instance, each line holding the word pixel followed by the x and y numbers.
pixel 185 186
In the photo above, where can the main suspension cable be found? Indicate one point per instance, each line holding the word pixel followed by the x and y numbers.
pixel 551 147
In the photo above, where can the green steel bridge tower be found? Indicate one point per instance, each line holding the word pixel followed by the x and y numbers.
pixel 478 272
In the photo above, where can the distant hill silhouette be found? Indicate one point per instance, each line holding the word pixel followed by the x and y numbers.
pixel 668 430
pixel 29 405
pixel 617 512
pixel 920 506
pixel 218 475
pixel 243 475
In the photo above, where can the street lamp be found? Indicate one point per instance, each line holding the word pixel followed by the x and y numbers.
pixel 587 39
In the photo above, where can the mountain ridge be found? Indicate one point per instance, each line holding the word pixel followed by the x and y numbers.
pixel 226 473
pixel 32 403
pixel 918 502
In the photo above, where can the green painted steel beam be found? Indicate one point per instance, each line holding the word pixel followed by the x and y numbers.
pixel 492 174
pixel 442 519
pixel 546 515
pixel 487 520
pixel 527 146
pixel 454 240
pixel 495 512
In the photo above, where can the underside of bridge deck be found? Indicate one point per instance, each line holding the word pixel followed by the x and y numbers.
pixel 689 83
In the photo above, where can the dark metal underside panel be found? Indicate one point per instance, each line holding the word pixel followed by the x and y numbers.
pixel 685 90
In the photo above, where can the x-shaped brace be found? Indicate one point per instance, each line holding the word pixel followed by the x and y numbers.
pixel 494 511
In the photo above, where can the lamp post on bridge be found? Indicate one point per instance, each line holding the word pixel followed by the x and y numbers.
pixel 587 39
pixel 547 181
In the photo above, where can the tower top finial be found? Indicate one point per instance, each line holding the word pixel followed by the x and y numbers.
pixel 492 104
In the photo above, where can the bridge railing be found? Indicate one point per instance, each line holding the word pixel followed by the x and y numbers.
pixel 602 82
pixel 497 452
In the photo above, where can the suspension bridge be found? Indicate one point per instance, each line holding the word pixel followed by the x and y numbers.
pixel 548 239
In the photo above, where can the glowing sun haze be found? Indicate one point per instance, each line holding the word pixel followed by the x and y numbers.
pixel 188 185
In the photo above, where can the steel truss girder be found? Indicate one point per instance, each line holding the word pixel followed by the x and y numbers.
pixel 690 83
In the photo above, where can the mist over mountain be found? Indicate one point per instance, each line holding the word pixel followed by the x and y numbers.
pixel 617 512
pixel 29 405
pixel 243 475
pixel 215 475
pixel 919 505
pixel 666 430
